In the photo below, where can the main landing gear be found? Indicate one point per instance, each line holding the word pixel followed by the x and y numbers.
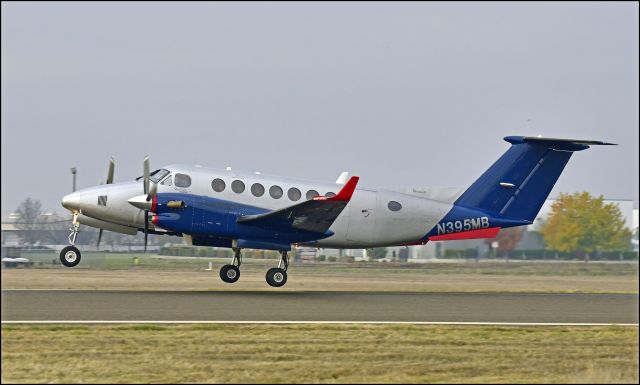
pixel 70 255
pixel 277 276
pixel 231 273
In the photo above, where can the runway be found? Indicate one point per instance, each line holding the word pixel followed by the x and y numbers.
pixel 71 305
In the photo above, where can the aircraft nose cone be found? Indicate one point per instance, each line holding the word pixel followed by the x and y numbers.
pixel 71 201
pixel 140 202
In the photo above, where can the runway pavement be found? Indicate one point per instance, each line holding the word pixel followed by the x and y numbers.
pixel 71 305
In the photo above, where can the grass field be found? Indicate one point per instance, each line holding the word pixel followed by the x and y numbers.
pixel 318 353
pixel 120 272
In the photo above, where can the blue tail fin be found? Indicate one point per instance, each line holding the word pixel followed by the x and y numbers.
pixel 518 183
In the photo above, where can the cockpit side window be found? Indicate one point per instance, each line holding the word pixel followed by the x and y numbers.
pixel 182 180
pixel 167 182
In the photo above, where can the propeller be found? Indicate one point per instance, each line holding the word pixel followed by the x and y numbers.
pixel 144 202
pixel 112 166
pixel 150 190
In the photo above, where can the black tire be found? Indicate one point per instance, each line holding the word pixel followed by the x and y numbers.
pixel 229 273
pixel 70 256
pixel 276 277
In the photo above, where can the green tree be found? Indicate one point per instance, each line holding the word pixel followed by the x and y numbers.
pixel 584 224
pixel 377 252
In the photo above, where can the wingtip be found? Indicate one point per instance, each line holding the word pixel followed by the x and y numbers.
pixel 347 190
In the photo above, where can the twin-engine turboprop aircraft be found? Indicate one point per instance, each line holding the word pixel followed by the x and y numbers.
pixel 228 208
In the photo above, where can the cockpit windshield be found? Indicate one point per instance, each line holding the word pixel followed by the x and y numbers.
pixel 157 175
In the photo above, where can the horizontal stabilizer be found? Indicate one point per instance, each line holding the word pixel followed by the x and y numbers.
pixel 557 143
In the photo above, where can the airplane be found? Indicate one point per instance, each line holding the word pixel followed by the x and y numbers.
pixel 238 210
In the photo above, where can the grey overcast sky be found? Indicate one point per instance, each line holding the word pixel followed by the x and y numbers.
pixel 398 93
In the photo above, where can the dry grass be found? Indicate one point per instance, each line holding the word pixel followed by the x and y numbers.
pixel 318 353
pixel 335 278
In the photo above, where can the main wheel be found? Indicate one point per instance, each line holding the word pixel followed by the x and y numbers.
pixel 229 273
pixel 70 256
pixel 276 277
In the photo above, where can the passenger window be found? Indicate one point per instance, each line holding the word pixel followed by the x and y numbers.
pixel 394 206
pixel 294 194
pixel 237 186
pixel 182 180
pixel 311 194
pixel 218 185
pixel 167 182
pixel 330 194
pixel 275 192
pixel 257 189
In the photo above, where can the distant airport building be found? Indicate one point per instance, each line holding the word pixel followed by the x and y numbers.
pixel 49 228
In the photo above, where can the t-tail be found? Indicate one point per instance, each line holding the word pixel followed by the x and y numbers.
pixel 512 191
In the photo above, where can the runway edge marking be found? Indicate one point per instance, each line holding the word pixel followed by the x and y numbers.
pixel 41 322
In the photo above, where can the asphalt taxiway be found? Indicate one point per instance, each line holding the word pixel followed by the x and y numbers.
pixel 305 306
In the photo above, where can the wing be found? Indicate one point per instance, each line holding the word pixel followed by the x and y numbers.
pixel 315 215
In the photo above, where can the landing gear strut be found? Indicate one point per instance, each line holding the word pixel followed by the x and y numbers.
pixel 277 276
pixel 70 255
pixel 231 273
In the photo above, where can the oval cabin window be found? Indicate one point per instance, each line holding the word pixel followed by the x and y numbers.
pixel 311 194
pixel 275 192
pixel 218 185
pixel 294 194
pixel 237 186
pixel 394 206
pixel 257 189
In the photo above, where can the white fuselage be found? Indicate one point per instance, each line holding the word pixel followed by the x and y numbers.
pixel 367 221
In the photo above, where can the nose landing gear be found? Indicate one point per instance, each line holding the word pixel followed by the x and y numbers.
pixel 70 255
pixel 231 273
pixel 277 276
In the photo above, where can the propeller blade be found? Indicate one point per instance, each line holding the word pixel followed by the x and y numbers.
pixel 152 191
pixel 146 228
pixel 112 165
pixel 146 175
pixel 99 238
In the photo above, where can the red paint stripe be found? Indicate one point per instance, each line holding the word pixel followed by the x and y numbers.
pixel 154 203
pixel 473 234
pixel 346 192
pixel 154 219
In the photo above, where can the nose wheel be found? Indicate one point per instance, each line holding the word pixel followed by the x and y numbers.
pixel 70 256
pixel 231 273
pixel 277 276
